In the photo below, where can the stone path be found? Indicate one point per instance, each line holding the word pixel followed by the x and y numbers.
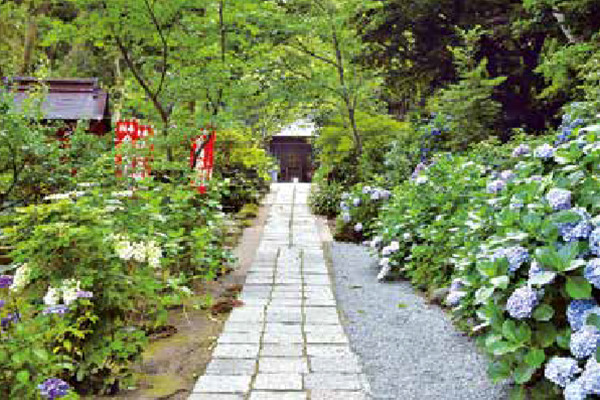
pixel 286 342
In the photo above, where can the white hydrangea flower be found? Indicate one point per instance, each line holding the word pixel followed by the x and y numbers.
pixel 21 278
pixel 69 289
pixel 124 250
pixel 52 297
pixel 139 252
pixel 154 254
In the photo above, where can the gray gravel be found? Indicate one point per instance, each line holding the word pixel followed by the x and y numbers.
pixel 411 351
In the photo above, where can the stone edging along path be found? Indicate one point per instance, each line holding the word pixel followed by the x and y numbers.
pixel 286 342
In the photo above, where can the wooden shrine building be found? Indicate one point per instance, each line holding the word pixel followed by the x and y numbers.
pixel 67 100
pixel 292 148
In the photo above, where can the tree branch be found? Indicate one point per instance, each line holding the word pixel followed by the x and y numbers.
pixel 306 50
pixel 164 45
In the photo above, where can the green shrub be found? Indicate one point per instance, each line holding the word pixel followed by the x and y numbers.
pixel 324 198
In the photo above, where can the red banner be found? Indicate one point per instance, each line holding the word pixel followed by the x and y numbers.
pixel 202 158
pixel 136 137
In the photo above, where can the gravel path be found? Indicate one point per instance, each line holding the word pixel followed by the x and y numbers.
pixel 409 349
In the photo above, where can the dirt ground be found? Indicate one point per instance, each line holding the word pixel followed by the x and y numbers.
pixel 171 365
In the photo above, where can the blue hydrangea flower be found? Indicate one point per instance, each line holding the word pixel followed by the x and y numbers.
pixel 590 378
pixel 457 284
pixel 2 303
pixel 521 150
pixel 516 256
pixel 375 195
pixel 358 227
pixel 496 186
pixel 577 230
pixel 5 281
pixel 585 341
pixel 521 302
pixel 366 189
pixel 575 390
pixel 356 202
pixel 507 175
pixel 84 294
pixel 57 309
pixel 591 272
pixel 559 199
pixel 578 311
pixel 9 319
pixel 385 194
pixel 594 241
pixel 53 388
pixel 344 206
pixel 420 167
pixel 544 151
pixel 346 217
pixel 454 297
pixel 561 370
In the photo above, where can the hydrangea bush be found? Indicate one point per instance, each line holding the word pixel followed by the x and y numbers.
pixel 358 211
pixel 516 237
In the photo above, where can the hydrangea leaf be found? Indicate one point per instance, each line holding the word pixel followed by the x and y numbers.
pixel 545 312
pixel 499 371
pixel 545 335
pixel 594 320
pixel 500 282
pixel 566 217
pixel 483 294
pixel 542 278
pixel 523 374
pixel 518 393
pixel 564 339
pixel 502 347
pixel 535 357
pixel 578 287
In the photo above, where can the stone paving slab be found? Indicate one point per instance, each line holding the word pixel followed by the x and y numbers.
pixel 286 342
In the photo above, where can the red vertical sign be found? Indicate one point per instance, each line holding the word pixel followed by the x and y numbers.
pixel 202 158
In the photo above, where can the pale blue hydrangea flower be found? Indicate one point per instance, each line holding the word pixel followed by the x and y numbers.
pixel 559 199
pixel 454 297
pixel 385 194
pixel 585 341
pixel 561 370
pixel 544 151
pixel 507 175
pixel 516 256
pixel 577 230
pixel 594 241
pixel 358 227
pixel 366 189
pixel 579 310
pixel 356 201
pixel 457 284
pixel 575 390
pixel 590 378
pixel 375 195
pixel 346 217
pixel 496 186
pixel 591 272
pixel 521 150
pixel 344 206
pixel 521 302
pixel 420 167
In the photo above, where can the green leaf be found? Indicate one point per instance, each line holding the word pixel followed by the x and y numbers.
pixel 545 312
pixel 483 294
pixel 500 282
pixel 518 393
pixel 523 374
pixel 499 371
pixel 594 320
pixel 23 376
pixel 509 330
pixel 578 287
pixel 502 347
pixel 542 278
pixel 566 217
pixel 535 358
pixel 564 339
pixel 41 353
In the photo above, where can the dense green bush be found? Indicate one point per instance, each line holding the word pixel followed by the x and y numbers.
pixel 324 198
pixel 98 270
